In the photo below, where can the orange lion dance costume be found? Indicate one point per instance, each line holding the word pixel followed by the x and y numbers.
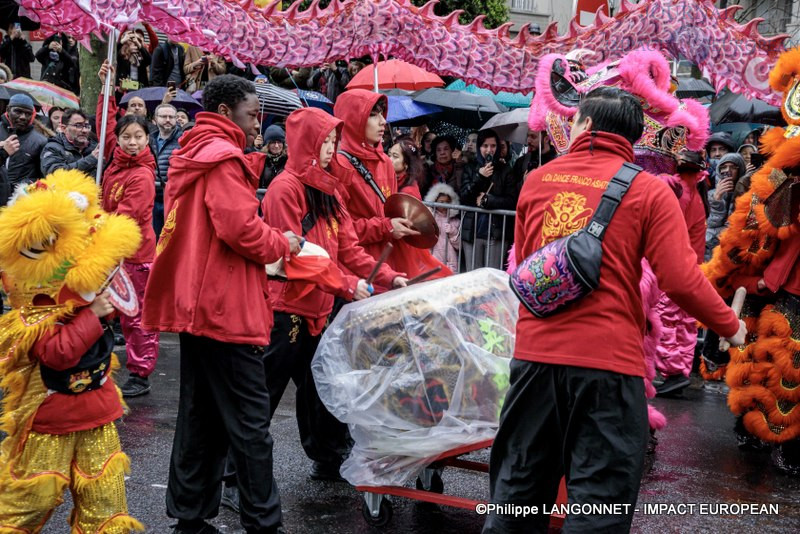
pixel 760 251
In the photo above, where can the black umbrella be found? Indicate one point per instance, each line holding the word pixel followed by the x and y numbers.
pixel 7 92
pixel 9 14
pixel 694 88
pixel 461 108
pixel 733 107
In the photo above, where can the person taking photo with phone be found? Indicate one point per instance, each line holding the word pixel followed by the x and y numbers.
pixel 733 180
pixel 16 52
pixel 489 184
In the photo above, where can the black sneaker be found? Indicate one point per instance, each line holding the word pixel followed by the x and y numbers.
pixel 672 385
pixel 230 498
pixel 747 441
pixel 786 457
pixel 135 386
pixel 329 472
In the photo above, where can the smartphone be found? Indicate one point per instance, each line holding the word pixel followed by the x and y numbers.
pixel 171 85
pixel 757 160
pixel 488 158
pixel 17 26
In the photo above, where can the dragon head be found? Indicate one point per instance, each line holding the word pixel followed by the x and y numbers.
pixel 57 245
pixel 671 125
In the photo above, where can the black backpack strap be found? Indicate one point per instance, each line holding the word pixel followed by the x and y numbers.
pixel 308 223
pixel 364 172
pixel 616 189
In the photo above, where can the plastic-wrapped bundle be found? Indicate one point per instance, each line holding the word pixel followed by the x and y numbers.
pixel 417 372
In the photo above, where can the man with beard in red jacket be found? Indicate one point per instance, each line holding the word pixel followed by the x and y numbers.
pixel 576 405
pixel 208 284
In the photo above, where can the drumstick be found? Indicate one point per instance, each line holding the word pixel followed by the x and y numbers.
pixel 490 188
pixel 736 306
pixel 423 276
pixel 384 255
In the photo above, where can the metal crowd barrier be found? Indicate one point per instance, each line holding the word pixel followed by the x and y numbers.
pixel 500 246
pixel 463 264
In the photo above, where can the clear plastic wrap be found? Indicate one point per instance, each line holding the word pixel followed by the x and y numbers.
pixel 417 372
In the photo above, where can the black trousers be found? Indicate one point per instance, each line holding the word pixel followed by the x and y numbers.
pixel 223 403
pixel 585 424
pixel 324 438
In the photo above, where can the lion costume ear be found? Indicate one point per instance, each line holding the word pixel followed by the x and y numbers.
pixel 116 237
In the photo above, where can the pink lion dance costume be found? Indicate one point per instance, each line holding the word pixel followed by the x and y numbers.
pixel 671 125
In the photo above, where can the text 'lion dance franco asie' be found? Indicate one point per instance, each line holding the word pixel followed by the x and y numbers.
pixel 58 250
pixel 760 251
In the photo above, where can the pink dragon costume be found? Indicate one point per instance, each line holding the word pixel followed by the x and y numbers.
pixel 671 125
pixel 730 54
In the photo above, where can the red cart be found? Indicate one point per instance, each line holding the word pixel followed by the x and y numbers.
pixel 377 508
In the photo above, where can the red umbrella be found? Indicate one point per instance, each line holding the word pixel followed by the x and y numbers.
pixel 395 74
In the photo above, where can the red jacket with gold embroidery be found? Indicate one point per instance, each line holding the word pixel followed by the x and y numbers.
pixel 559 199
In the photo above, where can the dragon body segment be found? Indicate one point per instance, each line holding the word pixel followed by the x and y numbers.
pixel 730 54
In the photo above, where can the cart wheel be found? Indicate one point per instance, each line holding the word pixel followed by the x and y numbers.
pixel 437 484
pixel 384 514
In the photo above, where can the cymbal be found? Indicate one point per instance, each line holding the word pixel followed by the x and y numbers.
pixel 408 207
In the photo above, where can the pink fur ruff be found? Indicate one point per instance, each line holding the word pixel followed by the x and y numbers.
pixel 512 259
pixel 694 117
pixel 648 286
pixel 543 100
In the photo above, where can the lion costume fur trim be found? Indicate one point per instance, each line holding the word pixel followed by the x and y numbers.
pixel 87 245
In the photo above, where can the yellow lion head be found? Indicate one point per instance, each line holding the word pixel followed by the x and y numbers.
pixel 56 242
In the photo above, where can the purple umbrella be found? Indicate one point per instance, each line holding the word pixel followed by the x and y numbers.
pixel 198 95
pixel 153 96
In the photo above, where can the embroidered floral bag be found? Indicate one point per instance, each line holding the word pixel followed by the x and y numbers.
pixel 568 269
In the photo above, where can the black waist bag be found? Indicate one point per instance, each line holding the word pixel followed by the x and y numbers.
pixel 567 269
pixel 90 373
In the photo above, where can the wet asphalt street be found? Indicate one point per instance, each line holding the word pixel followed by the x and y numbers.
pixel 697 461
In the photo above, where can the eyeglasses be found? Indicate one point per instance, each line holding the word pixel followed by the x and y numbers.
pixel 170 117
pixel 81 125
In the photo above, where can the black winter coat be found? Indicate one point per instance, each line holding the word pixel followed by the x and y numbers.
pixel 163 63
pixel 503 196
pixel 25 163
pixel 162 156
pixel 18 55
pixel 59 153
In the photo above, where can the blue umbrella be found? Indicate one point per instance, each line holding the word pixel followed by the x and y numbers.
pixel 313 99
pixel 153 96
pixel 403 108
pixel 510 100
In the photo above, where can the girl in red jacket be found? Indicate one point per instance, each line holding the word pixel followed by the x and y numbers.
pixel 304 199
pixel 407 167
pixel 129 188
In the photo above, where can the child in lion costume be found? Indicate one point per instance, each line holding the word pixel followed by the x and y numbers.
pixel 58 249
pixel 760 251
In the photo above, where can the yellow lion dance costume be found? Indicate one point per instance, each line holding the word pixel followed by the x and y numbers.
pixel 58 249
pixel 764 375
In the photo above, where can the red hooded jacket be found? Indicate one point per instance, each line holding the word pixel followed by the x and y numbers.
pixel 129 188
pixel 558 199
pixel 372 227
pixel 284 207
pixel 208 278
